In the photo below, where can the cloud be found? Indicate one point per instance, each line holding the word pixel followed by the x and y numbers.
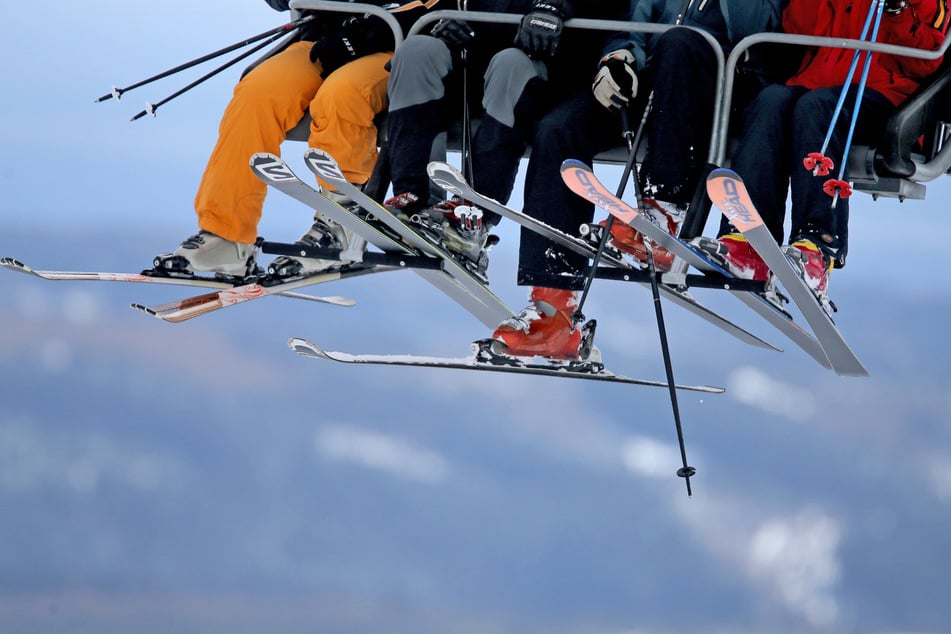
pixel 789 556
pixel 796 558
pixel 380 452
pixel 650 458
pixel 938 474
pixel 756 389
pixel 80 463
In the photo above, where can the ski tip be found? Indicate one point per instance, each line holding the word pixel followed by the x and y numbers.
pixel 323 164
pixel 570 164
pixel 258 157
pixel 15 265
pixel 306 348
pixel 144 309
pixel 722 172
pixel 447 177
pixel 316 151
pixel 338 300
pixel 435 167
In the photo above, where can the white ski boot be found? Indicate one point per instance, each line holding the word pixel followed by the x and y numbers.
pixel 206 252
pixel 325 234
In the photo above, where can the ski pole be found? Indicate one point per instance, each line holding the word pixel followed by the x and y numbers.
pixel 606 232
pixel 686 471
pixel 633 141
pixel 285 28
pixel 463 5
pixel 150 108
pixel 632 146
pixel 839 188
pixel 818 162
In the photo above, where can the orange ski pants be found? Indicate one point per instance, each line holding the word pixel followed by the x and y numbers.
pixel 270 100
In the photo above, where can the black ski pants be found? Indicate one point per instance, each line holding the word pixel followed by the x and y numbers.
pixel 578 127
pixel 782 125
pixel 424 75
pixel 682 73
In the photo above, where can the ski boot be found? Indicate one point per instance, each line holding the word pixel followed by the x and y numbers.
pixel 453 224
pixel 814 266
pixel 593 232
pixel 545 328
pixel 667 216
pixel 205 252
pixel 733 252
pixel 323 234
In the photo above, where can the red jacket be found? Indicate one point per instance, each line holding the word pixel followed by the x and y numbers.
pixel 921 25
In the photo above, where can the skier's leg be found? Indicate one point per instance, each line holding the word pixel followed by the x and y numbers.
pixel 342 116
pixel 763 156
pixel 813 216
pixel 763 160
pixel 267 102
pixel 343 112
pixel 513 84
pixel 510 84
pixel 682 74
pixel 576 128
pixel 417 94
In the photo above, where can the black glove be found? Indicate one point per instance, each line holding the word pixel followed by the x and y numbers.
pixel 358 36
pixel 333 52
pixel 455 33
pixel 894 7
pixel 540 30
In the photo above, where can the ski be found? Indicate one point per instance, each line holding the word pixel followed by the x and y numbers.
pixel 161 277
pixel 580 178
pixel 383 231
pixel 729 194
pixel 501 363
pixel 452 180
pixel 230 293
pixel 153 277
pixel 191 307
pixel 322 164
pixel 372 262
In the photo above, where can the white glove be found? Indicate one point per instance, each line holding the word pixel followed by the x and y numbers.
pixel 615 85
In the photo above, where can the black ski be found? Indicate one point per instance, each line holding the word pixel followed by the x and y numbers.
pixel 587 371
pixel 729 194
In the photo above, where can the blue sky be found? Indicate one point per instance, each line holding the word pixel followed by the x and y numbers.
pixel 816 495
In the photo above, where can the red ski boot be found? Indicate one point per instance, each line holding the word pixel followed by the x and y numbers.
pixel 545 328
pixel 665 215
pixel 814 266
pixel 734 253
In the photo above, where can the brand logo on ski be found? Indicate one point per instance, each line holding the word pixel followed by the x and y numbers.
pixel 592 192
pixel 448 185
pixel 324 166
pixel 734 207
pixel 276 171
